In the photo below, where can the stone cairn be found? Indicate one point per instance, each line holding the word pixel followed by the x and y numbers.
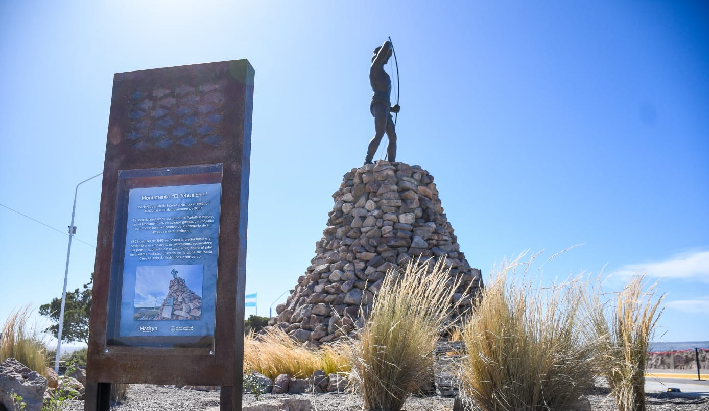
pixel 385 215
pixel 181 303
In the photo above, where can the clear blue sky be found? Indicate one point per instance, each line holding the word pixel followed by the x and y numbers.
pixel 546 124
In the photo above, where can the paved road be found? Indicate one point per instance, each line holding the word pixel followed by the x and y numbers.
pixel 685 380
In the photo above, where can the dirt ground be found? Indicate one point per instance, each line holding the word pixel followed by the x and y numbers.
pixel 157 398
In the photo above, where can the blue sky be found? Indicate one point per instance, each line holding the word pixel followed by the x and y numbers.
pixel 546 125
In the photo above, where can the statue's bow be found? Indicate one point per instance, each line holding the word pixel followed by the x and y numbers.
pixel 396 62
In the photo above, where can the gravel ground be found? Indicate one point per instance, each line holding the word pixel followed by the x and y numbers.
pixel 157 398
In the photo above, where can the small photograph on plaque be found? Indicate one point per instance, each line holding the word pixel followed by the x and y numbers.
pixel 172 292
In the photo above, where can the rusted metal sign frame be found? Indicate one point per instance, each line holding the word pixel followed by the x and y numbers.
pixel 229 145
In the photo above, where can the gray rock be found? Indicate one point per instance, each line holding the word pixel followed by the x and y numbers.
pixel 358 190
pixel 391 203
pixel 375 276
pixel 335 276
pixel 281 384
pixel 297 386
pixel 418 242
pixel 319 332
pixel 354 296
pixel 334 289
pixel 320 381
pixel 406 185
pixel 425 191
pixel 356 222
pixel 28 384
pixel 321 309
pixel 285 315
pixel 376 261
pixel 374 288
pixel 370 221
pixel 317 298
pixel 280 308
pixel 337 383
pixel 367 297
pixel 280 404
pixel 407 218
pixel 79 374
pixel 347 285
pixel 302 335
pixel 266 383
pixel 361 202
pixel 70 387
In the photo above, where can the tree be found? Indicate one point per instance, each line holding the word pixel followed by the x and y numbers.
pixel 255 324
pixel 77 308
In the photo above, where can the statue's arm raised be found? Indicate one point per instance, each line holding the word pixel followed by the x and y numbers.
pixel 383 54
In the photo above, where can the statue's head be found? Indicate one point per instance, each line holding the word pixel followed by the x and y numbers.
pixel 376 51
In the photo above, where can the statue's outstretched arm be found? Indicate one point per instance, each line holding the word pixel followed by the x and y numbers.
pixel 383 54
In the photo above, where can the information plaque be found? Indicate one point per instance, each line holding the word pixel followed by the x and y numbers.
pixel 165 268
pixel 170 270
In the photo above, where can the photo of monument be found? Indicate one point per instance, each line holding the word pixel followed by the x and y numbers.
pixel 172 292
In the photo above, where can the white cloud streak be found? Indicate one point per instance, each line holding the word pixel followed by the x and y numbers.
pixel 694 306
pixel 688 266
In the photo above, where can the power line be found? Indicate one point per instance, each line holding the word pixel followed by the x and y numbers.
pixel 46 225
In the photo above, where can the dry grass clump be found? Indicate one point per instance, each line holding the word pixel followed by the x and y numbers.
pixel 20 341
pixel 275 353
pixel 525 347
pixel 623 332
pixel 119 392
pixel 395 351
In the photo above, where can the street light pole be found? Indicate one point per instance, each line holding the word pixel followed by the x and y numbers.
pixel 72 231
pixel 270 309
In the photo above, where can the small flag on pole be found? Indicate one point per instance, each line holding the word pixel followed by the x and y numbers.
pixel 251 303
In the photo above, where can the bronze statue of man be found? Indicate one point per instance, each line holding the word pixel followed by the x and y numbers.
pixel 381 107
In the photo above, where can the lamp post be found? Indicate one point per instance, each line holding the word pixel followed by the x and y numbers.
pixel 72 231
pixel 270 309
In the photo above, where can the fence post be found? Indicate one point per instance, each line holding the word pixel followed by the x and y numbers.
pixel 696 356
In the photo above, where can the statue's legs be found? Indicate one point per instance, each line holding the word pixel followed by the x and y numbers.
pixel 380 111
pixel 391 133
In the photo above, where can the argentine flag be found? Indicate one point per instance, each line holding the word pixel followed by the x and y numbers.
pixel 251 301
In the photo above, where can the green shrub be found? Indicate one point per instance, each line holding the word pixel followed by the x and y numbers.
pixel 252 384
pixel 395 350
pixel 254 324
pixel 525 346
pixel 78 357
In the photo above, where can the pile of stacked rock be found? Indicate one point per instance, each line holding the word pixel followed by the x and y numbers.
pixel 181 303
pixel 384 215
